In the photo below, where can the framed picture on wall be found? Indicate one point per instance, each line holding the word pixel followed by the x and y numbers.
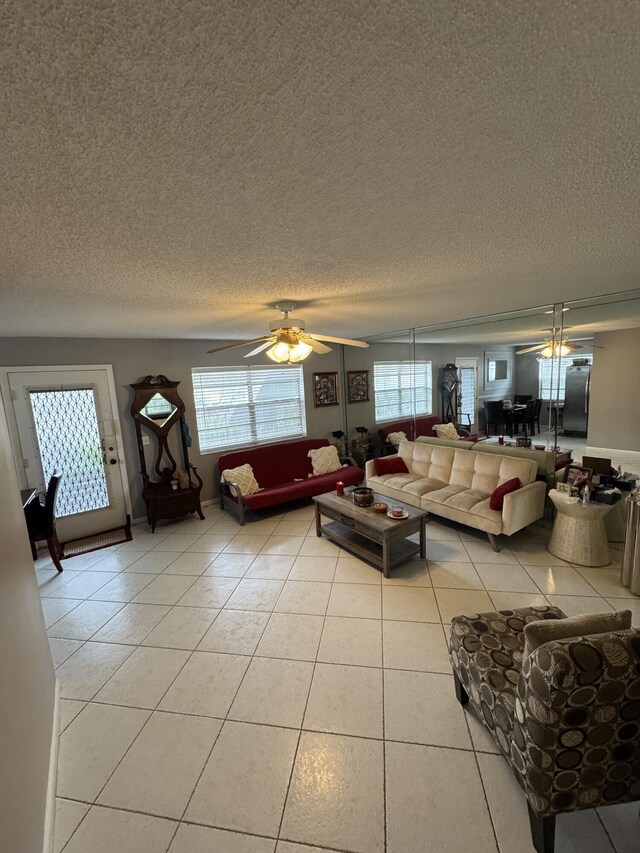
pixel 325 389
pixel 498 370
pixel 358 386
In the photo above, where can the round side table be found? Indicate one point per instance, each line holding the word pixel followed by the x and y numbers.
pixel 579 535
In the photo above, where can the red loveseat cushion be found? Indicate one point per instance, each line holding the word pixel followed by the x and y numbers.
pixel 497 495
pixel 294 490
pixel 275 464
pixel 390 465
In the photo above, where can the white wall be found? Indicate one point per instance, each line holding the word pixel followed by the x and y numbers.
pixel 614 402
pixel 26 676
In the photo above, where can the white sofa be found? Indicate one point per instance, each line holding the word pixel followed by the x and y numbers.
pixel 456 483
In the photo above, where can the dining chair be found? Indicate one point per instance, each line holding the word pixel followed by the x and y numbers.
pixel 526 417
pixel 494 415
pixel 41 522
pixel 536 417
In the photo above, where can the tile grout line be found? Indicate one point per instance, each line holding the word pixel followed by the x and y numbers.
pixel 139 645
pixel 304 712
pixel 384 727
pixel 226 714
pixel 255 655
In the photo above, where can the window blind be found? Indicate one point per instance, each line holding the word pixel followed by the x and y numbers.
pixel 552 375
pixel 401 388
pixel 467 393
pixel 239 406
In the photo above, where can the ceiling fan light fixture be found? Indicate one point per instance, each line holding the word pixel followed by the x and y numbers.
pixel 555 350
pixel 284 353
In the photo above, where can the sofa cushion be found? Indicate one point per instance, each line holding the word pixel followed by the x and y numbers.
pixel 274 464
pixel 396 437
pixel 390 465
pixel 467 499
pixel 350 475
pixel 428 460
pixel 446 431
pixel 423 486
pixel 491 471
pixel 444 494
pixel 538 633
pixel 394 481
pixel 496 499
pixel 243 477
pixel 324 460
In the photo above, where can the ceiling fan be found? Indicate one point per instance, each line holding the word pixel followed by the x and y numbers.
pixel 551 349
pixel 287 341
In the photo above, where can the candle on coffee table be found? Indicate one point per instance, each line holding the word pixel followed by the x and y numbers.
pixel 340 487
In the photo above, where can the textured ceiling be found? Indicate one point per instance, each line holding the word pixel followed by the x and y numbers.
pixel 174 168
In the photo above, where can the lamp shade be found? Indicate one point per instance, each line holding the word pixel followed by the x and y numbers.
pixel 284 353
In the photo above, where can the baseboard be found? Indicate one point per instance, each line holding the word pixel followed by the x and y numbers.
pixel 629 460
pixel 50 810
pixel 142 518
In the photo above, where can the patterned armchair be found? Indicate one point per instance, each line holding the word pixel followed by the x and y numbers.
pixel 568 720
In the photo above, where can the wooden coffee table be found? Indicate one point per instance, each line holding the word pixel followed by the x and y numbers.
pixel 373 536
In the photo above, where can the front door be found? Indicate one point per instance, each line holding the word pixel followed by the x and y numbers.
pixel 66 421
pixel 468 393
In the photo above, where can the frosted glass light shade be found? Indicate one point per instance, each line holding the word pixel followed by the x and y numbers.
pixel 289 353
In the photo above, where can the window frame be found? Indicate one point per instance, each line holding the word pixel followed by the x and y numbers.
pixel 556 393
pixel 409 366
pixel 245 374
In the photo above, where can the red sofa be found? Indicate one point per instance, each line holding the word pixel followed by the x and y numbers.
pixel 413 428
pixel 282 472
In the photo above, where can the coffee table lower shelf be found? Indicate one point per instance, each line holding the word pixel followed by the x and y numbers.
pixel 400 550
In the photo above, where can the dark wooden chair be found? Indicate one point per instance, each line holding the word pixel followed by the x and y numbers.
pixel 536 417
pixel 494 415
pixel 41 523
pixel 526 417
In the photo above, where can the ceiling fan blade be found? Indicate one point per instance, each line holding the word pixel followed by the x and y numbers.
pixel 530 349
pixel 260 348
pixel 316 346
pixel 346 341
pixel 240 344
pixel 572 345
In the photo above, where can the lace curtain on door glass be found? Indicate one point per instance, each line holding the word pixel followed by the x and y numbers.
pixel 66 426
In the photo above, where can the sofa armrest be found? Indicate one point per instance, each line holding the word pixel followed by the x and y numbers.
pixel 575 738
pixel 369 469
pixel 523 507
pixel 235 506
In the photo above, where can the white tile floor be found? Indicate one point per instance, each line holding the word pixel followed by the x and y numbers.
pixel 257 690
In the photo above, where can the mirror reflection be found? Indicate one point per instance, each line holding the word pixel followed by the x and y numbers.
pixel 158 409
pixel 549 379
pixel 396 388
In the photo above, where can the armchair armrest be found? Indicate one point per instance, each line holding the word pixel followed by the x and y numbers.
pixel 576 740
pixel 523 507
